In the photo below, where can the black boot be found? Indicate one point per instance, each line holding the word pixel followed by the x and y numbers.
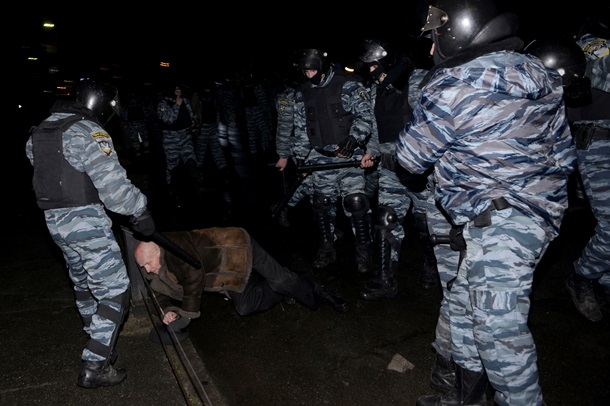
pixel 470 390
pixel 328 298
pixel 385 284
pixel 326 255
pixel 358 205
pixel 442 378
pixel 97 374
pixel 583 295
pixel 326 252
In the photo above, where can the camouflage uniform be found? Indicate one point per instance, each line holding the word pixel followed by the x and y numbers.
pixel 397 193
pixel 177 141
pixel 501 173
pixel 284 139
pixel 347 182
pixel 257 115
pixel 206 115
pixel 594 120
pixel 84 232
pixel 135 114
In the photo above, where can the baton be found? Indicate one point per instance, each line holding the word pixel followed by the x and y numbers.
pixel 175 249
pixel 439 239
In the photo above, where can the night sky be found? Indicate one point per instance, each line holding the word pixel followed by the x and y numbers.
pixel 201 39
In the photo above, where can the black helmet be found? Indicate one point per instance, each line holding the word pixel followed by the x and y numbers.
pixel 382 57
pixel 375 54
pixel 372 51
pixel 459 24
pixel 102 99
pixel 314 59
pixel 566 57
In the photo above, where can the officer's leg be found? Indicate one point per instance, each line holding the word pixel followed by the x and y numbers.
pixel 429 275
pixel 322 206
pixel 101 272
pixel 385 284
pixel 358 206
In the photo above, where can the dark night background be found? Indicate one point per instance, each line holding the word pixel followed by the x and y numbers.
pixel 200 39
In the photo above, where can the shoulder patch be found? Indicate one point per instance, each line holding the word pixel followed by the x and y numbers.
pixel 362 92
pixel 104 142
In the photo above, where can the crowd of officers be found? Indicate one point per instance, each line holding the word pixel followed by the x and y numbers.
pixel 477 146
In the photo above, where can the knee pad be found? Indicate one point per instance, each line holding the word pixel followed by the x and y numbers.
pixel 357 204
pixel 321 203
pixel 386 218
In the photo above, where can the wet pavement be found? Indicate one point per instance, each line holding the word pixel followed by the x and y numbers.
pixel 288 355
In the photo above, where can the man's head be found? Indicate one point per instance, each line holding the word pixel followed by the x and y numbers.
pixel 101 98
pixel 567 58
pixel 456 25
pixel 148 256
pixel 313 62
pixel 374 55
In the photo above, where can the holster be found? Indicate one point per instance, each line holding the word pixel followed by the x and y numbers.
pixel 585 134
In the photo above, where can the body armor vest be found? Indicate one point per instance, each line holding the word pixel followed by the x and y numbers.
pixel 392 113
pixel 183 120
pixel 56 182
pixel 326 120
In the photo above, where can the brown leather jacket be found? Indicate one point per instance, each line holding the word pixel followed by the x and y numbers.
pixel 225 254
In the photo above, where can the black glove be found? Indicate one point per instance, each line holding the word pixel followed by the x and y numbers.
pixel 456 238
pixel 347 147
pixel 179 324
pixel 143 224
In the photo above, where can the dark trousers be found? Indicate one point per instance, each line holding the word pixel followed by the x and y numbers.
pixel 276 282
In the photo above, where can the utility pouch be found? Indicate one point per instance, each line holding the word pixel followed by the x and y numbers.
pixel 585 134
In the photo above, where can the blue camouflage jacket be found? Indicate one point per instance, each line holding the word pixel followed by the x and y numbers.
pixel 493 127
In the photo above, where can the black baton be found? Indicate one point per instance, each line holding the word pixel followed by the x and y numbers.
pixel 174 249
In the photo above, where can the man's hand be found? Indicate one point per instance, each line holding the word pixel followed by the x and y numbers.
pixel 281 164
pixel 367 161
pixel 170 317
pixel 347 147
pixel 143 224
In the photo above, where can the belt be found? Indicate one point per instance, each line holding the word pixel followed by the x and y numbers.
pixel 484 219
pixel 326 153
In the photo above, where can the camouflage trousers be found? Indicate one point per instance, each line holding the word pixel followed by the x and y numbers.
pixel 95 266
pixel 208 139
pixel 489 305
pixel 138 133
pixel 178 146
pixel 394 194
pixel 447 262
pixel 594 168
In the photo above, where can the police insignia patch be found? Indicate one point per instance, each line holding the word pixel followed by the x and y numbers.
pixel 104 142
